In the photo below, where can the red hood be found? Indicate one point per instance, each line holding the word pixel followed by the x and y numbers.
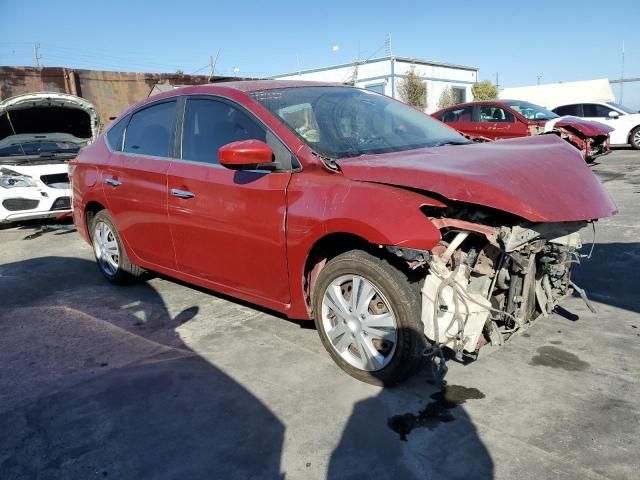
pixel 588 128
pixel 540 178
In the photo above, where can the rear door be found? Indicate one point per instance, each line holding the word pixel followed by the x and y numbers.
pixel 136 183
pixel 574 110
pixel 228 226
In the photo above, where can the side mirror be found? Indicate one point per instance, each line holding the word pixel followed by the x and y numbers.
pixel 246 155
pixel 613 114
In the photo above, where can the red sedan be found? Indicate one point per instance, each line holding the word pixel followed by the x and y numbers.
pixel 394 233
pixel 500 119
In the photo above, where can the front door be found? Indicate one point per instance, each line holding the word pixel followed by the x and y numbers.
pixel 600 113
pixel 228 226
pixel 496 122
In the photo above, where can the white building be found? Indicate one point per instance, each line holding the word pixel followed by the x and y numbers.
pixel 383 75
pixel 551 95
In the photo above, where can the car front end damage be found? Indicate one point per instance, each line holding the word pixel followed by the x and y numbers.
pixel 509 216
pixel 591 138
pixel 591 147
pixel 484 283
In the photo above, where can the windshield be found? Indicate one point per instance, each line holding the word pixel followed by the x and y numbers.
pixel 339 122
pixel 621 107
pixel 531 111
pixel 39 148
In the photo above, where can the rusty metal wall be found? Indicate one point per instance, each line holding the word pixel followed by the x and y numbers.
pixel 110 92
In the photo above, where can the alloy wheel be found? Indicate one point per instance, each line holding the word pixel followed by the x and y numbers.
pixel 359 322
pixel 106 248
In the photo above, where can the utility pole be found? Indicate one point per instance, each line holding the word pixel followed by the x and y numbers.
pixel 298 63
pixel 497 81
pixel 36 54
pixel 388 45
pixel 212 66
pixel 622 75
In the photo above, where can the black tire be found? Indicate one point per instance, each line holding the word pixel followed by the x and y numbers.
pixel 402 296
pixel 125 272
pixel 634 138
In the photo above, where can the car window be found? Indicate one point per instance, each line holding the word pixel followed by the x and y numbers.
pixel 493 113
pixel 346 122
pixel 596 110
pixel 149 131
pixel 462 114
pixel 622 108
pixel 210 124
pixel 530 111
pixel 567 110
pixel 115 134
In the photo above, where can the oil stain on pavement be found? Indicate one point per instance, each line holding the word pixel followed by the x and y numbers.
pixel 555 357
pixel 436 412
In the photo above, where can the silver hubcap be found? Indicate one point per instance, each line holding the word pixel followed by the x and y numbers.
pixel 359 323
pixel 636 139
pixel 106 248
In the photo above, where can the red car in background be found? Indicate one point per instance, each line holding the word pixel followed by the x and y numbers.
pixel 501 119
pixel 394 233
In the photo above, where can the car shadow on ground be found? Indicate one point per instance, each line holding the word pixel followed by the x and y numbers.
pixel 103 386
pixel 432 437
pixel 612 275
pixel 90 391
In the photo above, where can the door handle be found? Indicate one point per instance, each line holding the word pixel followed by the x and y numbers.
pixel 113 182
pixel 182 193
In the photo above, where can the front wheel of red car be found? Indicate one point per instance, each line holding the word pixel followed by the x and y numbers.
pixel 368 316
pixel 109 251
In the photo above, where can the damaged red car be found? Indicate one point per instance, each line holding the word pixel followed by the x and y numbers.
pixel 500 119
pixel 396 235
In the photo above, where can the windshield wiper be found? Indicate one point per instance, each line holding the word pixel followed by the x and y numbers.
pixel 55 154
pixel 451 142
pixel 329 162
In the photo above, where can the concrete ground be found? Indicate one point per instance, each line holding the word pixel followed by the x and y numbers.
pixel 163 380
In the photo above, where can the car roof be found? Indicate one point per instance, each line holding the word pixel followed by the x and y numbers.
pixel 248 86
pixel 471 104
pixel 225 88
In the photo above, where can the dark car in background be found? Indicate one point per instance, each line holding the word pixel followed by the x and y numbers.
pixel 501 119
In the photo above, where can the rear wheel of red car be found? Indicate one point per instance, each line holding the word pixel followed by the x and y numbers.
pixel 634 138
pixel 110 253
pixel 368 316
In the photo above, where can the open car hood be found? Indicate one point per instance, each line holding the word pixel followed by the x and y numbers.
pixel 45 113
pixel 588 128
pixel 540 178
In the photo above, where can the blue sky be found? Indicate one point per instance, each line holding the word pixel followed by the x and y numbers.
pixel 561 41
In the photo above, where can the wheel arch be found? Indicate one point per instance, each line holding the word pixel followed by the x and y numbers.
pixel 631 131
pixel 90 211
pixel 336 243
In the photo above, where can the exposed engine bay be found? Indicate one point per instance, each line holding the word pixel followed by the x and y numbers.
pixel 485 283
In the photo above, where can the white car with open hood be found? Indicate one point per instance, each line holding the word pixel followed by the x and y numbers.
pixel 39 133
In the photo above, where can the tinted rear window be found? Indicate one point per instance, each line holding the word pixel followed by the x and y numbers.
pixel 114 135
pixel 567 110
pixel 150 130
